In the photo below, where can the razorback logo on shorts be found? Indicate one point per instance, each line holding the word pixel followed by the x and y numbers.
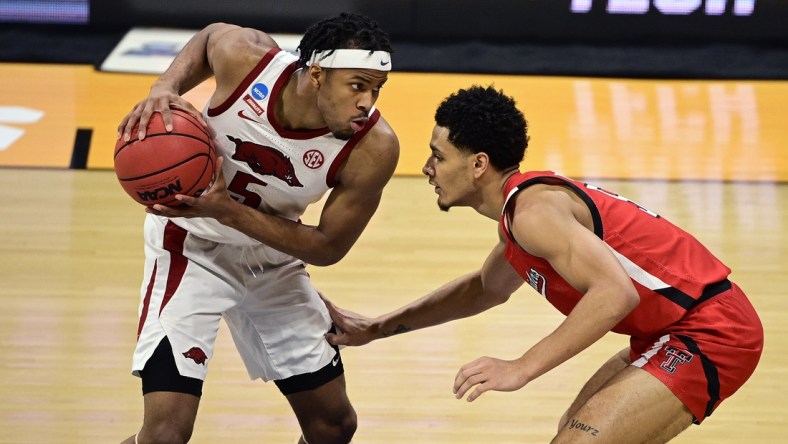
pixel 674 358
pixel 196 354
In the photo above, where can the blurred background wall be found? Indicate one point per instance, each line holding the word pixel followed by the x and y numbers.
pixel 547 21
pixel 632 38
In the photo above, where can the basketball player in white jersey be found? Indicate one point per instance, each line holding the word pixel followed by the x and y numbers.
pixel 288 130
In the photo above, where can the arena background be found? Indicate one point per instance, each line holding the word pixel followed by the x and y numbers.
pixel 619 38
pixel 676 104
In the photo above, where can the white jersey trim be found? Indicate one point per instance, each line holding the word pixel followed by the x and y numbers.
pixel 638 274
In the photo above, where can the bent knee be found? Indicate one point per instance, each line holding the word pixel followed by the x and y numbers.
pixel 333 431
pixel 564 419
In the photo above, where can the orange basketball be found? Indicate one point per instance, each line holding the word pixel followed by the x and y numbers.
pixel 155 169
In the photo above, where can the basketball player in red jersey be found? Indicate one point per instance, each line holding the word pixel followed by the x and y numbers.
pixel 288 129
pixel 605 262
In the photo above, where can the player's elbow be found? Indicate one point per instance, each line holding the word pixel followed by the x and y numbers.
pixel 323 260
pixel 328 256
pixel 492 299
pixel 216 26
pixel 629 301
pixel 612 303
pixel 489 290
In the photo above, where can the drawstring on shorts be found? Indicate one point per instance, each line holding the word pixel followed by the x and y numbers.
pixel 246 251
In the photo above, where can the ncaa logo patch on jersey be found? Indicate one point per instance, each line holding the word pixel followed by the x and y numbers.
pixel 537 281
pixel 259 91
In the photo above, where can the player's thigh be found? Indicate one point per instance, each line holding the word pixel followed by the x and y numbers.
pixel 632 407
pixel 327 404
pixel 609 369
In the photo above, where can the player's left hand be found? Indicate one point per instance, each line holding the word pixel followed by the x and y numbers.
pixel 214 202
pixel 488 374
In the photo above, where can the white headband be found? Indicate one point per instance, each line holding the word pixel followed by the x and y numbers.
pixel 352 58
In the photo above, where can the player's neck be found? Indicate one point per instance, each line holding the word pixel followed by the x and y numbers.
pixel 295 106
pixel 491 192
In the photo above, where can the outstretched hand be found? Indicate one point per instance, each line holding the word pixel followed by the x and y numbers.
pixel 354 329
pixel 488 374
pixel 214 202
pixel 160 100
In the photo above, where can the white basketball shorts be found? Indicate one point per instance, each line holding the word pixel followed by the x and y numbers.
pixel 275 315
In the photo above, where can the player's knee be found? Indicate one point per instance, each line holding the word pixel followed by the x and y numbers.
pixel 564 419
pixel 165 433
pixel 338 430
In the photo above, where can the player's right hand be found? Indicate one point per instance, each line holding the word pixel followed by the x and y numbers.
pixel 485 374
pixel 160 100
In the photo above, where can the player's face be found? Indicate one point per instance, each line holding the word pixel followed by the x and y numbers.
pixel 346 96
pixel 450 171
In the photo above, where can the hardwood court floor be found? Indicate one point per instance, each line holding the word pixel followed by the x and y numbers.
pixel 71 265
pixel 708 155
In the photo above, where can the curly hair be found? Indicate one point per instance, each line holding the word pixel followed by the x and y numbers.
pixel 345 31
pixel 485 120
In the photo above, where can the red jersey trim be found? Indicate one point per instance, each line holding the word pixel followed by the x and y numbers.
pixel 261 65
pixel 599 230
pixel 174 239
pixel 331 179
pixel 146 300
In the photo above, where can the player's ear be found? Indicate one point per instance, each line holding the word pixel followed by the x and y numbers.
pixel 316 75
pixel 481 161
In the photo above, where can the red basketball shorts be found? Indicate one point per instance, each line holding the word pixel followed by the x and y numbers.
pixel 710 353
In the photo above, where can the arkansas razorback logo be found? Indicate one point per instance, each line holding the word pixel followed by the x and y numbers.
pixel 196 354
pixel 265 161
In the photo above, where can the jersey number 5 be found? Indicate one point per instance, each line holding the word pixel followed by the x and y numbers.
pixel 239 186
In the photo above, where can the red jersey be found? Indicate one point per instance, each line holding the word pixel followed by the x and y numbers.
pixel 671 270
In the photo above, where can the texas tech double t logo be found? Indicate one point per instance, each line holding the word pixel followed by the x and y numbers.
pixel 675 357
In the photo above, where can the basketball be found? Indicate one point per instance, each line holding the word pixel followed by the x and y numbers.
pixel 163 164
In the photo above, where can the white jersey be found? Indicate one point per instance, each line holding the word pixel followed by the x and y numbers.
pixel 266 166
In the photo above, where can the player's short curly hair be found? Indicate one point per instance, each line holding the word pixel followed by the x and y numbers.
pixel 344 31
pixel 485 120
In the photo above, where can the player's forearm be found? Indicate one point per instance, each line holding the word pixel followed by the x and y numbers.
pixel 191 66
pixel 593 317
pixel 305 242
pixel 460 298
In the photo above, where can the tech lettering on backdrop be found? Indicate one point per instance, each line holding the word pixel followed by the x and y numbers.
pixel 668 7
